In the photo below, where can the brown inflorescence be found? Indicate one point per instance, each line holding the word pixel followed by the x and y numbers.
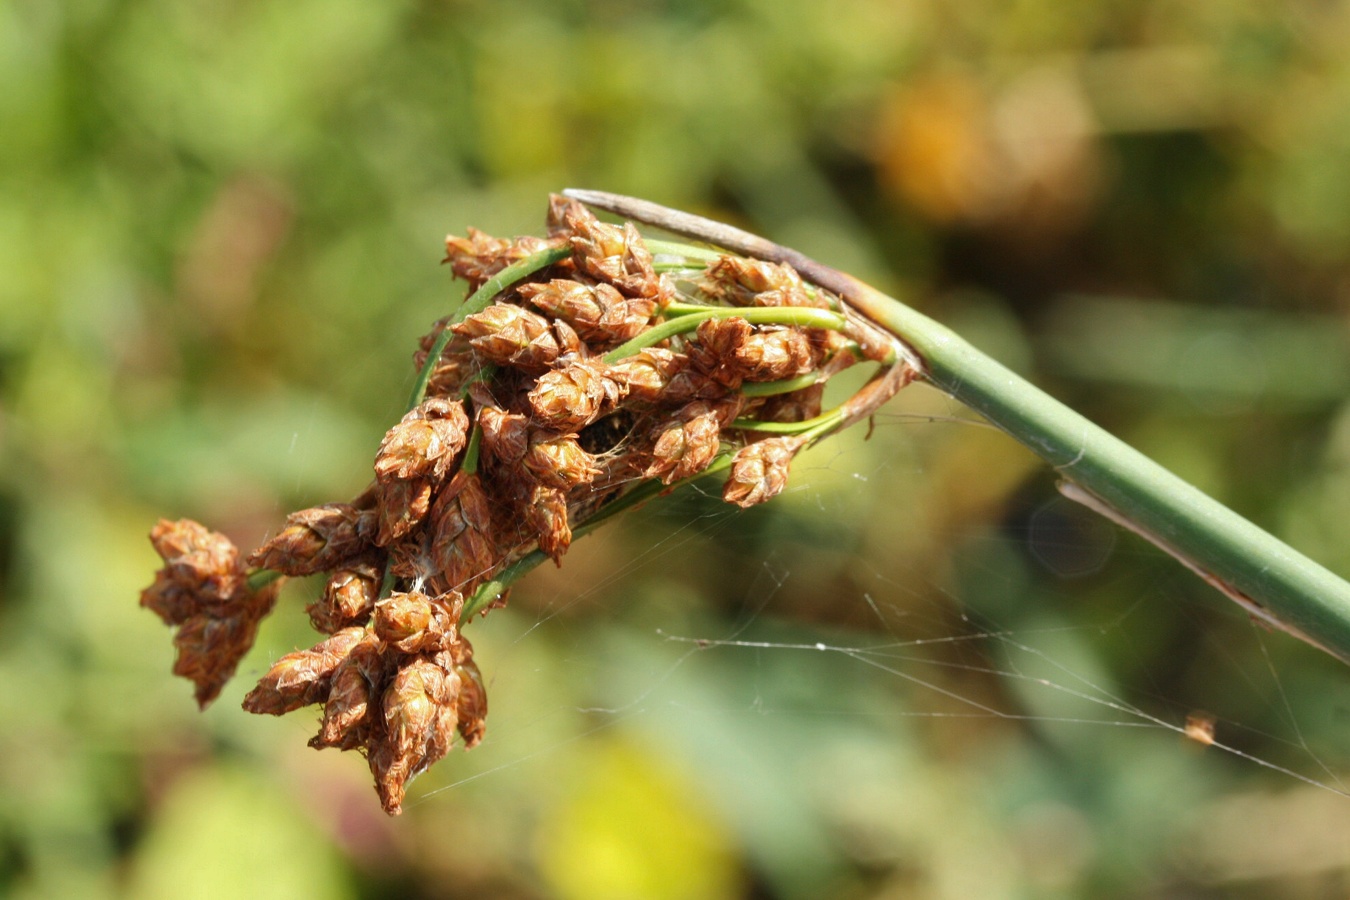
pixel 535 418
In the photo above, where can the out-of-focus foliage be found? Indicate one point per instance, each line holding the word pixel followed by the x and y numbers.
pixel 219 235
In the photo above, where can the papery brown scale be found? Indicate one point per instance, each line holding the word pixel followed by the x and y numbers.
pixel 546 512
pixel 557 460
pixel 420 719
pixel 560 209
pixel 348 598
pixel 571 397
pixel 303 677
pixel 403 506
pixel 759 471
pixel 507 335
pixel 774 353
pixel 313 540
pixel 425 443
pixel 355 680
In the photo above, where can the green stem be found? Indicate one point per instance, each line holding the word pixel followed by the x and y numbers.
pixel 1276 583
pixel 773 388
pixel 802 316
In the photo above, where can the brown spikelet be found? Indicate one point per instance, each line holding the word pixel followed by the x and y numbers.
pixel 201 570
pixel 571 397
pixel 759 471
pixel 303 677
pixel 612 254
pixel 713 353
pixel 210 644
pixel 355 680
pixel 546 513
pixel 506 436
pixel 479 256
pixel 420 718
pixel 598 312
pixel 414 622
pixel 647 375
pixel 735 280
pixel 557 460
pixel 773 353
pixel 797 406
pixel 471 704
pixel 348 598
pixel 685 443
pixel 463 548
pixel 507 335
pixel 424 443
pixel 403 506
pixel 313 540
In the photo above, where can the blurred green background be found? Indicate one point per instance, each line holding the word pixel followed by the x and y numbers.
pixel 220 228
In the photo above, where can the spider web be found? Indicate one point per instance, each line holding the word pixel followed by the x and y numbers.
pixel 839 683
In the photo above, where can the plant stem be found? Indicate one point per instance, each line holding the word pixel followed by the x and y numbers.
pixel 1272 581
pixel 688 320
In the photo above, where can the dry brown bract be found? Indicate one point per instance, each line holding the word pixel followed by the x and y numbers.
pixel 526 430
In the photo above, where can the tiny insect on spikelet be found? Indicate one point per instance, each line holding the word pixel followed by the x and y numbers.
pixel 583 375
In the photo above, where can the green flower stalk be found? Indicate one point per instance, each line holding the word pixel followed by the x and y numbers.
pixel 1276 584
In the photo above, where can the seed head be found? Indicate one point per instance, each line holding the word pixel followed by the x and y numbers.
pixel 416 623
pixel 546 513
pixel 557 460
pixel 425 443
pixel 354 681
pixel 598 312
pixel 348 598
pixel 759 471
pixel 313 540
pixel 478 257
pixel 463 548
pixel 420 719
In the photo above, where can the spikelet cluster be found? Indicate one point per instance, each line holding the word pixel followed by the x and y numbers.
pixel 534 419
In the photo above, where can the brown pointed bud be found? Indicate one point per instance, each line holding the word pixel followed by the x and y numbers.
pixel 507 335
pixel 735 280
pixel 420 718
pixel 506 436
pixel 403 505
pixel 303 677
pixel 613 254
pixel 598 312
pixel 760 470
pixel 571 397
pixel 416 623
pixel 348 598
pixel 479 256
pixel 713 352
pixel 313 540
pixel 686 443
pixel 546 513
pixel 773 353
pixel 463 550
pixel 425 443
pixel 648 374
pixel 346 714
pixel 210 646
pixel 201 570
pixel 557 460
pixel 471 704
